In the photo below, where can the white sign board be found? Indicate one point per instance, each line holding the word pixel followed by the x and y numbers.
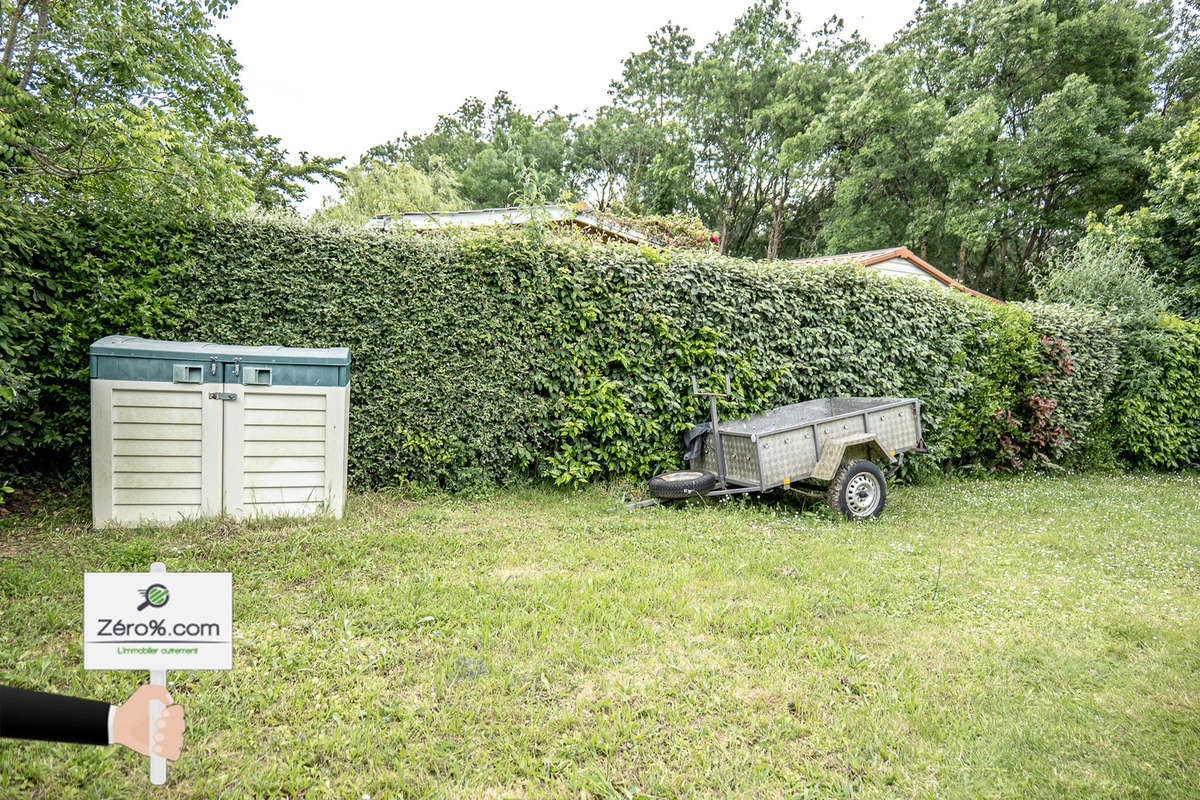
pixel 157 620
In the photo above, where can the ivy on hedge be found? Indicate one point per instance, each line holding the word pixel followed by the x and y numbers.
pixel 496 357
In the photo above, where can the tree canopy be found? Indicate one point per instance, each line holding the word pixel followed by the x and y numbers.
pixel 1163 228
pixel 986 135
pixel 105 104
pixel 983 136
pixel 388 188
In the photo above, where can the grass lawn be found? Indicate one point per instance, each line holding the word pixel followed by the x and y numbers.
pixel 1028 637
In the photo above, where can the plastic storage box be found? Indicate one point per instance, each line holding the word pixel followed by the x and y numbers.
pixel 192 429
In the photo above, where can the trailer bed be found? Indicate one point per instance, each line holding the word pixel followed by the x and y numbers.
pixel 787 444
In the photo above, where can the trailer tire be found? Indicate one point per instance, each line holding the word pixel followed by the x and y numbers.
pixel 682 483
pixel 858 491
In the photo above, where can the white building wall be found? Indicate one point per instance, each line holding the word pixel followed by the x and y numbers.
pixel 903 268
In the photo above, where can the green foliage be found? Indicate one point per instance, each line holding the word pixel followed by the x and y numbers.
pixel 497 356
pixel 275 183
pixel 982 136
pixel 441 384
pixel 1166 230
pixel 63 284
pixel 387 189
pixel 1159 425
pixel 105 105
pixel 113 102
pixel 1079 364
pixel 1106 277
pixel 489 150
pixel 1109 278
pixel 984 422
pixel 987 131
pixel 677 231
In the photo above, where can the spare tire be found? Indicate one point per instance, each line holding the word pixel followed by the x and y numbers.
pixel 682 483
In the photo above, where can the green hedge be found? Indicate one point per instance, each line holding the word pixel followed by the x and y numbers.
pixel 489 357
pixel 64 284
pixel 1160 425
pixel 1079 364
pixel 498 357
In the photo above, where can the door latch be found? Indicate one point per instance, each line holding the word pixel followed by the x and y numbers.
pixel 222 395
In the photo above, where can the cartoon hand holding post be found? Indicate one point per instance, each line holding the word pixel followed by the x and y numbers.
pixel 26 714
pixel 128 626
pixel 133 723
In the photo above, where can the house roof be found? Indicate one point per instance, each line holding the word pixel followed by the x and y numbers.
pixel 578 214
pixel 869 258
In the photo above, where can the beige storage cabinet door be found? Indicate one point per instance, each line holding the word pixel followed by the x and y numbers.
pixel 283 451
pixel 149 458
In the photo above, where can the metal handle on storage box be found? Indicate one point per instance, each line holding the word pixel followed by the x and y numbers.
pixel 187 373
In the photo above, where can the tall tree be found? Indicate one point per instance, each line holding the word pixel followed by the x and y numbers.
pixel 1164 227
pixel 109 103
pixel 104 100
pixel 380 188
pixel 276 183
pixel 1177 84
pixel 490 150
pixel 989 130
pixel 794 160
pixel 730 82
pixel 636 154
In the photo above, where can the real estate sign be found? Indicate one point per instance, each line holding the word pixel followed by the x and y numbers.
pixel 158 620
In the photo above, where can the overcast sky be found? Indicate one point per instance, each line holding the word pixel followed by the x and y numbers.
pixel 335 79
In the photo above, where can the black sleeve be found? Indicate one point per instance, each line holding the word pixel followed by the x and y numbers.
pixel 25 714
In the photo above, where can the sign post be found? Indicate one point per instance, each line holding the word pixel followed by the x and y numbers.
pixel 157 621
pixel 158 677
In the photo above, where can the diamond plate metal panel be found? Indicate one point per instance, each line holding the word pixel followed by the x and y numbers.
pixel 789 455
pixel 840 427
pixel 895 428
pixel 741 460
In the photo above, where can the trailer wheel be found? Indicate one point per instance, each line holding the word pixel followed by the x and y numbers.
pixel 682 483
pixel 858 491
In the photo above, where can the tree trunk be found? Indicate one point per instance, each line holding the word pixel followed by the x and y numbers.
pixel 35 41
pixel 776 231
pixel 10 45
pixel 983 262
pixel 962 264
pixel 1003 258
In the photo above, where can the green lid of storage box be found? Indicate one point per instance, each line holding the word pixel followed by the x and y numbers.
pixel 135 359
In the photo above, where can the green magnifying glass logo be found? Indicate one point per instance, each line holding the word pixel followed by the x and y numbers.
pixel 155 595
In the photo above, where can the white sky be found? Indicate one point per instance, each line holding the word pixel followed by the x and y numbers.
pixel 337 78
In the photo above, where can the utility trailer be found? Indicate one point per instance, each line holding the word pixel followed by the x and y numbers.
pixel 831 444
